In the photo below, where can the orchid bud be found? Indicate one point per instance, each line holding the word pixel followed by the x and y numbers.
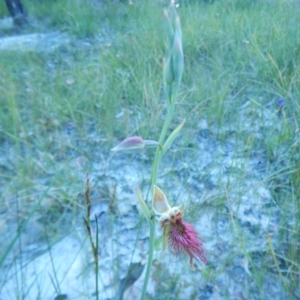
pixel 169 71
pixel 170 29
pixel 177 58
pixel 134 143
pixel 173 67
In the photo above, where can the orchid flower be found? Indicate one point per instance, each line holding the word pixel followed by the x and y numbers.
pixel 180 236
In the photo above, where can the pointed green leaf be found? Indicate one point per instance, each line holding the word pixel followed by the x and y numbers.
pixel 172 137
pixel 143 204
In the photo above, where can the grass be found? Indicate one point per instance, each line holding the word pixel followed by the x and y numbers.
pixel 59 109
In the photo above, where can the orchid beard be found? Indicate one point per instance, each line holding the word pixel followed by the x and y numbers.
pixel 183 238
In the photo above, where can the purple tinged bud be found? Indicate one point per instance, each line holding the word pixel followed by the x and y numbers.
pixel 134 143
pixel 131 143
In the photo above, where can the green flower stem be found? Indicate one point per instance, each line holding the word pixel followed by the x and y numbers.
pixel 156 162
pixel 150 258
